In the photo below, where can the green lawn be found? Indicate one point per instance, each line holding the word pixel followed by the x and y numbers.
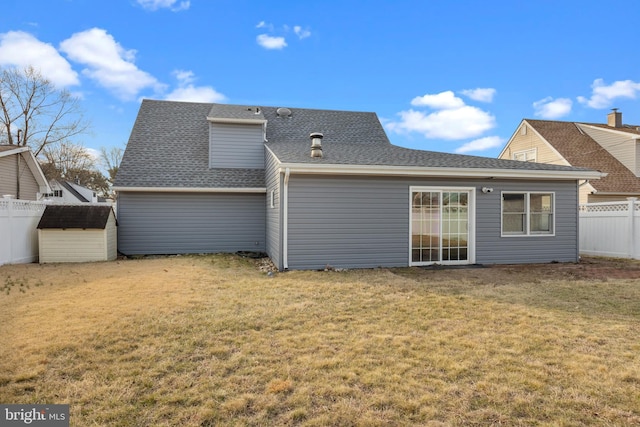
pixel 210 340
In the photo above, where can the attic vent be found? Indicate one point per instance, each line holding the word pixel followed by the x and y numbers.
pixel 283 112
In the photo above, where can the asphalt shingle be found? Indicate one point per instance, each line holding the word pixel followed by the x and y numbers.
pixel 579 149
pixel 169 145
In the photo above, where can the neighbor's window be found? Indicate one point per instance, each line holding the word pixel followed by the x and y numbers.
pixel 526 214
pixel 525 155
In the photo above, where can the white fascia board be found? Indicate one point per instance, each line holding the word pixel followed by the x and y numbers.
pixel 438 172
pixel 189 190
pixel 523 122
pixel 549 145
pixel 36 170
pixel 237 121
pixel 13 151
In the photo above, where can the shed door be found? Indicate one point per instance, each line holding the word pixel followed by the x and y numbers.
pixel 440 226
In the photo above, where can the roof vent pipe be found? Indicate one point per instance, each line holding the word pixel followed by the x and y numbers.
pixel 316 144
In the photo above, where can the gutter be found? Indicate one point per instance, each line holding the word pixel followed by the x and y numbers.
pixel 325 169
pixel 190 190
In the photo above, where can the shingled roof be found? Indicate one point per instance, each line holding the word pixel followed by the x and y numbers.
pixel 169 146
pixel 75 216
pixel 579 149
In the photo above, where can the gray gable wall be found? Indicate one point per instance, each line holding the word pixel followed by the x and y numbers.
pixel 169 147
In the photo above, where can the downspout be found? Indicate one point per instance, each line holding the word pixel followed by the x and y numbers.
pixel 285 220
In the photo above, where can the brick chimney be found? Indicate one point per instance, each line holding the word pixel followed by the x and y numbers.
pixel 614 118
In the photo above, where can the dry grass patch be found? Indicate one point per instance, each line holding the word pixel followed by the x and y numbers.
pixel 209 340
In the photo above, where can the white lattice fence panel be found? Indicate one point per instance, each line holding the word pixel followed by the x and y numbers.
pixel 610 229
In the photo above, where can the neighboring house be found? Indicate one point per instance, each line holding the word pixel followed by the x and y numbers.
pixel 20 174
pixel 77 233
pixel 313 188
pixel 69 192
pixel 612 148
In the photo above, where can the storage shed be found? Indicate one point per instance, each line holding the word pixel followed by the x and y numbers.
pixel 77 233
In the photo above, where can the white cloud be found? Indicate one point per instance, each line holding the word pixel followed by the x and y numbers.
pixel 480 94
pixel 270 42
pixel 481 144
pixel 263 24
pixel 549 108
pixel 442 100
pixel 602 95
pixel 452 118
pixel 456 123
pixel 301 33
pixel 187 92
pixel 20 49
pixel 173 5
pixel 108 63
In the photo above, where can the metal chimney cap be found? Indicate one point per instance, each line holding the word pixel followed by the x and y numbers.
pixel 316 135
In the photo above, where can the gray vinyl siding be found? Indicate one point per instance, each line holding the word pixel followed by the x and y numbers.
pixel 491 248
pixel 274 220
pixel 364 222
pixel 347 223
pixel 236 146
pixel 178 223
pixel 9 182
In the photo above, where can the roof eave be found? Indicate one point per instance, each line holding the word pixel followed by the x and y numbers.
pixel 125 189
pixel 304 168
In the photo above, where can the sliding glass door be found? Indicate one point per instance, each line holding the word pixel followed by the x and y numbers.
pixel 440 224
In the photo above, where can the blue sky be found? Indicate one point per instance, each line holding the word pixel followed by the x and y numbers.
pixel 452 76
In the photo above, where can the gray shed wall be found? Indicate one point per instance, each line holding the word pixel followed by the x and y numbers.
pixel 359 222
pixel 236 146
pixel 171 223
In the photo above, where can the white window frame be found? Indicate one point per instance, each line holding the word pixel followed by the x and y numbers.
pixel 471 237
pixel 527 211
pixel 530 155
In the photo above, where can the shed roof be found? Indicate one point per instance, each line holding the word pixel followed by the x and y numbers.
pixel 75 216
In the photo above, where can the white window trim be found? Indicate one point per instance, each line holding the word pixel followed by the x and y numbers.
pixel 528 232
pixel 526 153
pixel 471 242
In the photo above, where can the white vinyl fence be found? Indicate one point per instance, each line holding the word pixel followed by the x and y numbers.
pixel 610 229
pixel 18 233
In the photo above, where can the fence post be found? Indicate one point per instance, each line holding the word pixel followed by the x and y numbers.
pixel 632 226
pixel 10 220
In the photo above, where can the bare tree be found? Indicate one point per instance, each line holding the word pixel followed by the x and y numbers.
pixel 72 162
pixel 34 113
pixel 111 158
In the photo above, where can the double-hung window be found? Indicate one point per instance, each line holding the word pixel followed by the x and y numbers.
pixel 526 155
pixel 527 213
